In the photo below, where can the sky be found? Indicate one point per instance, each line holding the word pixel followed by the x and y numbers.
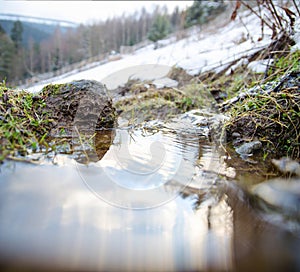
pixel 82 11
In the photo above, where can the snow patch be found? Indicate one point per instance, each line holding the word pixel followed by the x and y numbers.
pixel 165 82
pixel 260 66
pixel 195 54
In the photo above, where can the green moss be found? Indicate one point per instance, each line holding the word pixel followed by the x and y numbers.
pixel 285 64
pixel 197 94
pixel 23 122
pixel 52 89
pixel 272 118
pixel 31 123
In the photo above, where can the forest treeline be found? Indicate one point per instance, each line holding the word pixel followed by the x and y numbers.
pixel 62 48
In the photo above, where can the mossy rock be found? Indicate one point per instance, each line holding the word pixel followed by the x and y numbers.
pixel 83 103
pixel 46 121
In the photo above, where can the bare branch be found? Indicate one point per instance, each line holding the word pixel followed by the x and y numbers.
pixel 254 12
pixel 296 6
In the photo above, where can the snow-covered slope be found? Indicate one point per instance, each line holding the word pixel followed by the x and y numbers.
pixel 199 52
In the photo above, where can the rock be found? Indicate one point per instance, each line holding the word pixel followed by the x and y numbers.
pixel 82 103
pixel 236 135
pixel 180 75
pixel 218 95
pixel 165 82
pixel 247 149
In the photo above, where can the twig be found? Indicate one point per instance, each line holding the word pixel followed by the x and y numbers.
pixel 261 22
pixel 244 25
pixel 13 158
pixel 274 13
pixel 254 12
pixel 296 6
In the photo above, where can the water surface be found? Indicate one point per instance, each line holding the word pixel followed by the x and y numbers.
pixel 161 199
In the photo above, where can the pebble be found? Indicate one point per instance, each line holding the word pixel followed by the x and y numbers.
pixel 236 135
pixel 248 148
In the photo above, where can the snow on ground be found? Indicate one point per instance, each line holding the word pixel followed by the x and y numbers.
pixel 197 53
pixel 260 66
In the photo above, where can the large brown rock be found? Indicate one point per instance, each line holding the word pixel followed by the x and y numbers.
pixel 83 105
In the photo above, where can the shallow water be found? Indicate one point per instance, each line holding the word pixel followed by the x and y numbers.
pixel 160 199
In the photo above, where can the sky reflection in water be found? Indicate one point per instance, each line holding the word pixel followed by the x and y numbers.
pixel 49 217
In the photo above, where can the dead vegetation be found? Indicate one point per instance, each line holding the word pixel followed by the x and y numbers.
pixel 277 16
pixel 153 103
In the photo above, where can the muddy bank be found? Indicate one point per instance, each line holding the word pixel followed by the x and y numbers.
pixel 269 115
pixel 48 121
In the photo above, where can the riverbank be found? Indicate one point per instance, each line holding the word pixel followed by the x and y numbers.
pixel 259 108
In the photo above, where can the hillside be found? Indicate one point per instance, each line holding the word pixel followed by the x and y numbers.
pixel 204 49
pixel 33 28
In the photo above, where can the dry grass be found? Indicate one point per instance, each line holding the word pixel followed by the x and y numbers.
pixel 272 118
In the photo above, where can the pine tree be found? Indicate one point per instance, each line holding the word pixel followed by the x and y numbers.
pixel 159 29
pixel 175 19
pixel 2 31
pixel 6 57
pixel 194 14
pixel 16 34
pixel 200 11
